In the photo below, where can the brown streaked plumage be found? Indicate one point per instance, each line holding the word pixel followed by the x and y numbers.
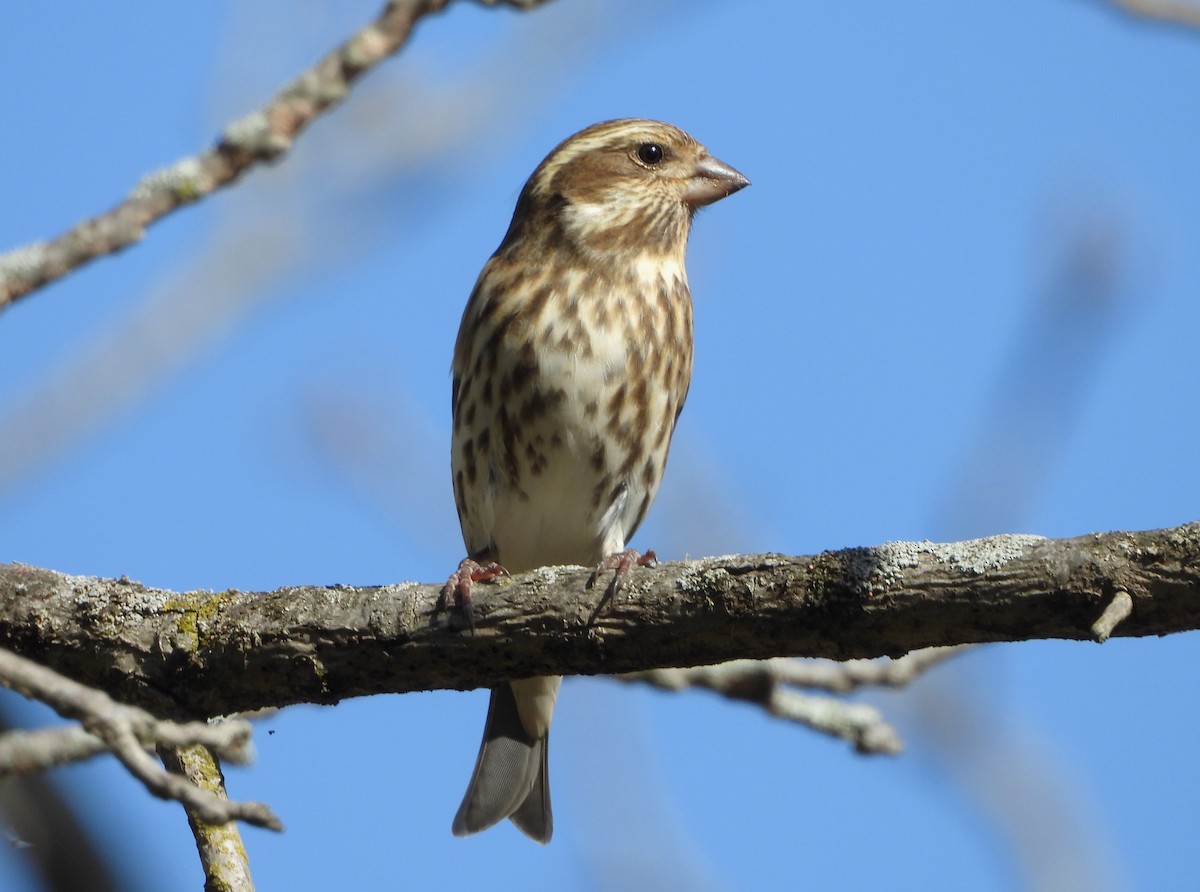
pixel 572 364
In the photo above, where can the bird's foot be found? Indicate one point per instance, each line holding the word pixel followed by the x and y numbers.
pixel 460 583
pixel 621 562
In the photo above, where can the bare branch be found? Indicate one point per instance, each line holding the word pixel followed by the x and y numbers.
pixel 126 732
pixel 261 136
pixel 220 653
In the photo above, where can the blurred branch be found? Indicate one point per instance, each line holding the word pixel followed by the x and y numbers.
pixel 220 653
pixel 1020 784
pixel 852 675
pixel 1041 387
pixel 328 205
pixel 259 137
pixel 23 751
pixel 44 825
pixel 1179 12
pixel 765 683
pixel 1074 321
pixel 125 731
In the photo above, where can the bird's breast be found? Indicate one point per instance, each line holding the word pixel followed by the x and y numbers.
pixel 563 424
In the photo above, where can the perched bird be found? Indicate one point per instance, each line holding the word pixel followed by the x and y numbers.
pixel 572 363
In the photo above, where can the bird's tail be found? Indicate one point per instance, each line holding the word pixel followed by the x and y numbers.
pixel 510 778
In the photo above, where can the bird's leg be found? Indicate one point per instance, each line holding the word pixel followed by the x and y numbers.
pixel 621 562
pixel 469 572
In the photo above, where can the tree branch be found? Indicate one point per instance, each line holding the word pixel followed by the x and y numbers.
pixel 219 653
pixel 261 136
pixel 127 732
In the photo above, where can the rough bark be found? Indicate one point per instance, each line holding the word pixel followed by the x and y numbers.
pixel 213 653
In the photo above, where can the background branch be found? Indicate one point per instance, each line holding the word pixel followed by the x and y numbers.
pixel 127 732
pixel 1177 12
pixel 261 136
pixel 768 684
pixel 219 653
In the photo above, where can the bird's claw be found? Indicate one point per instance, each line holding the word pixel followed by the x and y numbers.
pixel 621 562
pixel 461 582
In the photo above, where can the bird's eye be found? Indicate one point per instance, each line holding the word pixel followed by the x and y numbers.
pixel 650 153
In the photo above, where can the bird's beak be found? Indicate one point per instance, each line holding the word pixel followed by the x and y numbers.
pixel 710 181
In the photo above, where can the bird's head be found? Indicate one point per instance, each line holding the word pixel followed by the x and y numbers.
pixel 621 186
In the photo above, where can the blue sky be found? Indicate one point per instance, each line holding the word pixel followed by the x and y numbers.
pixel 961 297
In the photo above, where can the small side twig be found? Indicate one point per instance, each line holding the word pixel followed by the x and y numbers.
pixel 127 732
pixel 1117 611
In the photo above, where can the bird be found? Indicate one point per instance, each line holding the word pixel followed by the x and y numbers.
pixel 571 365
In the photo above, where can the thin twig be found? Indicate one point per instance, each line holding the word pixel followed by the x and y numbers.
pixel 1118 610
